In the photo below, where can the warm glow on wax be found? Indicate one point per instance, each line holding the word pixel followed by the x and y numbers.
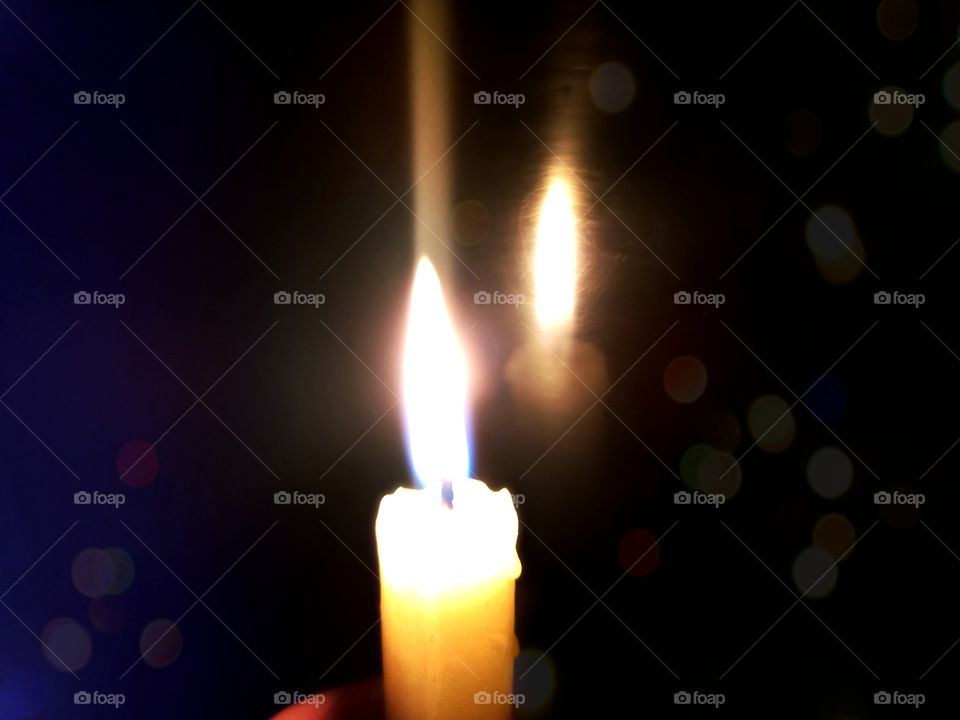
pixel 434 386
pixel 555 257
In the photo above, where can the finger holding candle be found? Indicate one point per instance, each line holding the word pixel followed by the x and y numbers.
pixel 358 701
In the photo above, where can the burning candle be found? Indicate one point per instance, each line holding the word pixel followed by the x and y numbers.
pixel 448 558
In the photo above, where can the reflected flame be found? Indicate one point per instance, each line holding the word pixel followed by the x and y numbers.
pixel 555 257
pixel 434 386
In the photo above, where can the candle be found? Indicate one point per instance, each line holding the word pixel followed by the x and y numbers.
pixel 448 559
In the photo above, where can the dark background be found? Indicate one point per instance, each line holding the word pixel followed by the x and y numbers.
pixel 296 411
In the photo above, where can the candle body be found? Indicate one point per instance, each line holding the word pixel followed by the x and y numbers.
pixel 447 603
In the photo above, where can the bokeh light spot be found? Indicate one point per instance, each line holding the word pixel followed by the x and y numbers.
pixel 535 677
pixel 833 240
pixel 721 430
pixel 830 472
pixel 771 423
pixel 123 570
pixel 814 572
pixel 137 463
pixel 892 119
pixel 950 147
pixel 66 644
pixel 685 379
pixel 951 86
pixel 835 534
pixel 612 87
pixel 470 221
pixel 92 572
pixel 897 19
pixel 690 463
pixel 160 643
pixel 830 233
pixel 720 474
pixel 639 553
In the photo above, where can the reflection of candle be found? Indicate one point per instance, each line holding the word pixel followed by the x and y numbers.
pixel 448 558
pixel 553 371
pixel 555 258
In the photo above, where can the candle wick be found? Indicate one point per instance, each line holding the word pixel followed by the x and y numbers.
pixel 446 494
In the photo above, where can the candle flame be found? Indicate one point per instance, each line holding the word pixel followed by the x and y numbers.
pixel 555 257
pixel 434 386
